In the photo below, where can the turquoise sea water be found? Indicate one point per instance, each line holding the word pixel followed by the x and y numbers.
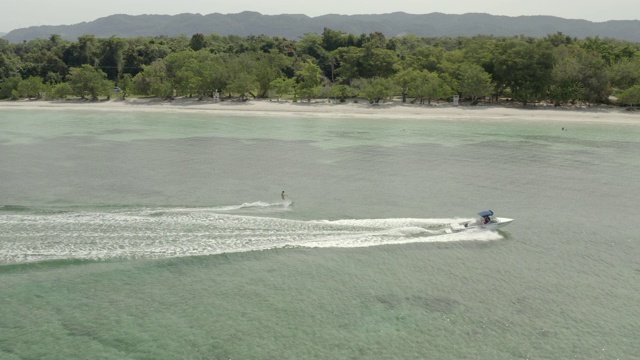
pixel 163 236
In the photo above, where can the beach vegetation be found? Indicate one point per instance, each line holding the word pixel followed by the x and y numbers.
pixel 625 73
pixel 82 52
pixel 334 64
pixel 197 42
pixel 87 81
pixel 125 85
pixel 60 91
pixel 348 60
pixel 566 85
pixel 241 84
pixel 32 87
pixel 427 85
pixel 404 79
pixel 10 65
pixel 524 68
pixel 282 86
pixel 630 96
pixel 474 82
pixel 595 80
pixel 154 80
pixel 7 87
pixel 342 92
pixel 268 67
pixel 376 62
pixel 111 55
pixel 309 80
pixel 242 76
pixel 375 89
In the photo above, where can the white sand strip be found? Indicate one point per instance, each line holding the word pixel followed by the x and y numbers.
pixel 597 114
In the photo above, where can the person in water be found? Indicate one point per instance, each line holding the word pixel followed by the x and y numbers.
pixel 283 195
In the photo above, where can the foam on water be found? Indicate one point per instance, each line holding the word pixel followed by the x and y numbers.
pixel 173 232
pixel 256 205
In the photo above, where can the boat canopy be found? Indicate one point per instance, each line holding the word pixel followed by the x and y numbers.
pixel 486 213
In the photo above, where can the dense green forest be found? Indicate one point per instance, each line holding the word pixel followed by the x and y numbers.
pixel 557 68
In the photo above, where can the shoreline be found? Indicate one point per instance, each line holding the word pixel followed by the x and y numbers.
pixel 389 110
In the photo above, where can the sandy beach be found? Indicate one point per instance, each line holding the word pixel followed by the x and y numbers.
pixel 324 109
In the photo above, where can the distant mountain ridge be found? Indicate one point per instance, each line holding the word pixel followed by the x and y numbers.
pixel 292 26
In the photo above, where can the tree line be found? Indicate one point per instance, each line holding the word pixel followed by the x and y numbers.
pixel 557 68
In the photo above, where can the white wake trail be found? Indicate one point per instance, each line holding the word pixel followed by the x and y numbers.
pixel 161 233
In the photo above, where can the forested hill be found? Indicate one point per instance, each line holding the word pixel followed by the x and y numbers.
pixel 293 26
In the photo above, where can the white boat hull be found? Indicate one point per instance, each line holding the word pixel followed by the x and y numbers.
pixel 499 222
pixel 496 223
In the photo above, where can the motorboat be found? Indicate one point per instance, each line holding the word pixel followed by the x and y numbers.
pixel 486 220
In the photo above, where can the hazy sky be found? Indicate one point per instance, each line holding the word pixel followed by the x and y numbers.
pixel 23 13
